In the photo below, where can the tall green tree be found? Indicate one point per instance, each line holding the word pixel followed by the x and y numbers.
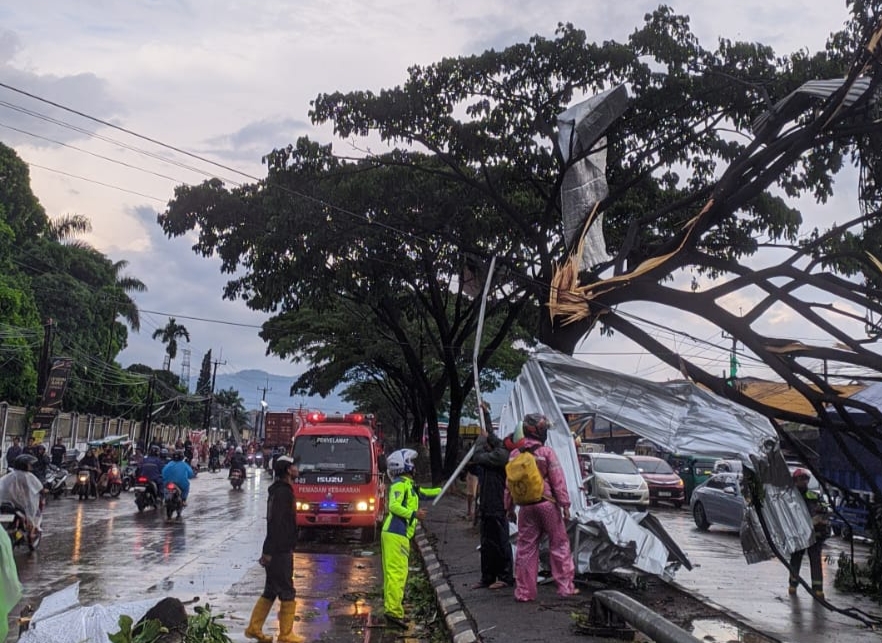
pixel 49 274
pixel 479 173
pixel 384 269
pixel 21 208
pixel 169 335
pixel 203 382
pixel 20 329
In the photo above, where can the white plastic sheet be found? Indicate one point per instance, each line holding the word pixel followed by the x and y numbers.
pixel 61 619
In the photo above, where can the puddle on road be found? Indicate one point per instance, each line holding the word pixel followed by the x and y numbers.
pixel 716 630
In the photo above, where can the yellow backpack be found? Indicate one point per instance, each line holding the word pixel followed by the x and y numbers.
pixel 523 478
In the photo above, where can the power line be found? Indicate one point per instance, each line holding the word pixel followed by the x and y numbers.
pixel 285 189
pixel 101 183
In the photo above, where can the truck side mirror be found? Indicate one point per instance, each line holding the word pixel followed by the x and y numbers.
pixel 381 463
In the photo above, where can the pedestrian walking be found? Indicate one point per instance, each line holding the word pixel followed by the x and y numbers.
pixel 818 511
pixel 543 517
pixel 277 557
pixel 398 530
pixel 496 559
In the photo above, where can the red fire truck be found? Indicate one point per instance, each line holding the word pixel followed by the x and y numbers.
pixel 341 482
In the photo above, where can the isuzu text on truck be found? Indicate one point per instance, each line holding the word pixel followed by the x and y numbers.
pixel 341 482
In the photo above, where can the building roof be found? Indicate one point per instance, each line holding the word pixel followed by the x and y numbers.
pixel 781 396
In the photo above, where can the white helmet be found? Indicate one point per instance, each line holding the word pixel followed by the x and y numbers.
pixel 401 461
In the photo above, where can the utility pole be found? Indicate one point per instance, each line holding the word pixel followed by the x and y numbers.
pixel 45 352
pixel 206 421
pixel 261 429
pixel 733 359
pixel 148 414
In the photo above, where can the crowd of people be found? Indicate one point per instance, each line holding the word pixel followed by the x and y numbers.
pixel 518 478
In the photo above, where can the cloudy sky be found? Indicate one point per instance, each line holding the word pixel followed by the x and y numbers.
pixel 229 80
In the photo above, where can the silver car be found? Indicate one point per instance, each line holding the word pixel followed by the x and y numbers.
pixel 718 501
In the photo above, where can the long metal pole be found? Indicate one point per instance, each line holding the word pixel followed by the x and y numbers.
pixel 475 374
pixel 478 333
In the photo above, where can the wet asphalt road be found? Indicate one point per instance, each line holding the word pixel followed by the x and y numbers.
pixel 120 555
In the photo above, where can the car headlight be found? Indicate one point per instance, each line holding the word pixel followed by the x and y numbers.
pixel 361 505
pixel 602 482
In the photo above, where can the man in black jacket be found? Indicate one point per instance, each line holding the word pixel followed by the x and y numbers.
pixel 277 557
pixel 496 559
pixel 58 452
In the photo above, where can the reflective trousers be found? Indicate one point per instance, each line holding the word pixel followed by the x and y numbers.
pixel 534 521
pixel 396 556
pixel 814 556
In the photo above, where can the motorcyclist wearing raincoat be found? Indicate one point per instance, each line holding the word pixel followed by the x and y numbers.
pixel 179 472
pixel 23 489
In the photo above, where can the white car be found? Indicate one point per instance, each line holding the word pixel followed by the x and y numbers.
pixel 616 479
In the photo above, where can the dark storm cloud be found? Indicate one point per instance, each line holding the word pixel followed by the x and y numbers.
pixel 37 123
pixel 257 139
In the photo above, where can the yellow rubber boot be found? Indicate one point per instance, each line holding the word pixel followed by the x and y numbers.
pixel 286 623
pixel 258 617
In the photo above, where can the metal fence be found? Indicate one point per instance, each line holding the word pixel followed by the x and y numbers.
pixel 77 430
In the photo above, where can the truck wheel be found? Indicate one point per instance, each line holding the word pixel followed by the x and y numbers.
pixel 369 534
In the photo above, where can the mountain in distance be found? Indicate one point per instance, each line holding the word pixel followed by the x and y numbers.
pixel 251 384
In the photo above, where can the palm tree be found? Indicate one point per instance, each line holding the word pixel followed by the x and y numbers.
pixel 123 304
pixel 117 295
pixel 169 335
pixel 62 229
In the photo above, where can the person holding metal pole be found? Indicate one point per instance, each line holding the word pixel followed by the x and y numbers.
pixel 398 530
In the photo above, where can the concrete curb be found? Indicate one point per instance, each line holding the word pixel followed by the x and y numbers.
pixel 455 616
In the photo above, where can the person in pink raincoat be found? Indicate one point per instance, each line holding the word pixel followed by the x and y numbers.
pixel 545 517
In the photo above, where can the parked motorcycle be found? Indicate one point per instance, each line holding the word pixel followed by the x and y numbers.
pixel 146 494
pixel 14 523
pixel 84 486
pixel 174 500
pixel 237 477
pixel 56 481
pixel 110 482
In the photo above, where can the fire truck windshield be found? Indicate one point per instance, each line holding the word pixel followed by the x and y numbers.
pixel 333 453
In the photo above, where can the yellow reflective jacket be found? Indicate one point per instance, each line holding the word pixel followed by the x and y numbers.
pixel 404 500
